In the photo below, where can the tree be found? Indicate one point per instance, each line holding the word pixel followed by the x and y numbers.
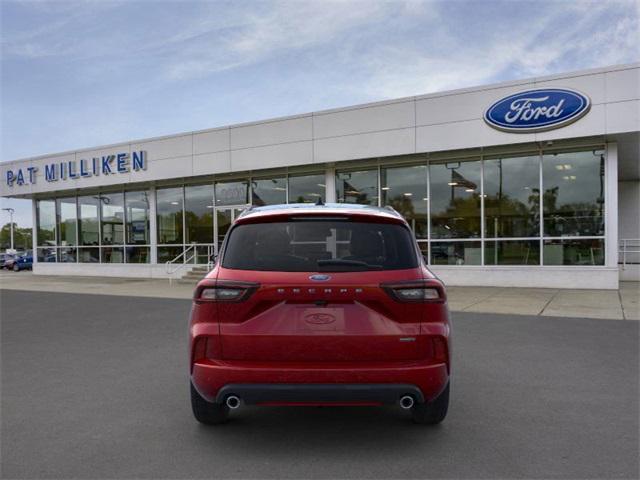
pixel 21 237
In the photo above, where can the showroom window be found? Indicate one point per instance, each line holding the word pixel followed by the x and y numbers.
pixel 573 197
pixel 198 213
pixel 357 187
pixel 456 206
pixel 306 188
pixel 268 191
pixel 405 189
pixel 169 207
pixel 198 217
pixel 112 227
pixel 232 193
pixel 46 230
pixel 512 197
pixel 88 229
pixel 67 216
pixel 137 226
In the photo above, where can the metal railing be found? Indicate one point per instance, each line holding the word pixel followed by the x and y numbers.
pixel 628 247
pixel 188 255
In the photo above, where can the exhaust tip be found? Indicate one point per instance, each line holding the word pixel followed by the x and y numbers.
pixel 233 402
pixel 406 402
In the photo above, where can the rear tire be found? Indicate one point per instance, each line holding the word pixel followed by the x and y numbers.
pixel 207 412
pixel 16 268
pixel 434 412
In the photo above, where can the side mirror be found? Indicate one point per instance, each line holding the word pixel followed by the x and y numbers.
pixel 213 258
pixel 426 259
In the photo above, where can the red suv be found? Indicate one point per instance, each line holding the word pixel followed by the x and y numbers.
pixel 320 305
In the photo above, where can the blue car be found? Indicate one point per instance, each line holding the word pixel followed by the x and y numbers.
pixel 23 262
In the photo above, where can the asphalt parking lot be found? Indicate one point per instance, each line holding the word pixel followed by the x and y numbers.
pixel 96 387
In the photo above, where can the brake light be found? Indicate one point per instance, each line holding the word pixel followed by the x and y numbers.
pixel 225 291
pixel 415 292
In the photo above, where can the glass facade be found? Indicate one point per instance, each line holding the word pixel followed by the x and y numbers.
pixel 489 211
pixel 306 188
pixel 534 208
pixel 512 197
pixel 405 189
pixel 455 199
pixel 268 191
pixel 358 187
pixel 573 194
pixel 169 205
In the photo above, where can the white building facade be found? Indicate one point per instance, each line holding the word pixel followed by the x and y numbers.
pixel 531 183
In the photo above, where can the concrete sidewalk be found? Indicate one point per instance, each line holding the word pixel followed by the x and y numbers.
pixel 623 304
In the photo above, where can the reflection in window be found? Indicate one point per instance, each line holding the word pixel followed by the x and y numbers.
pixel 357 187
pixel 46 217
pixel 67 213
pixel 512 252
pixel 198 213
pixel 169 207
pixel 112 255
pixel 47 254
pixel 573 198
pixel 232 193
pixel 405 189
pixel 306 188
pixel 512 197
pixel 268 191
pixel 88 221
pixel 574 252
pixel 112 205
pixel 67 255
pixel 137 218
pixel 168 253
pixel 456 253
pixel 137 254
pixel 89 255
pixel 455 200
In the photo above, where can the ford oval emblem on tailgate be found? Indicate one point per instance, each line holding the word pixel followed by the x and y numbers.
pixel 320 318
pixel 319 278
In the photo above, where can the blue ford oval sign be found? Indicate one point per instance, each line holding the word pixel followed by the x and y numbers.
pixel 319 278
pixel 537 110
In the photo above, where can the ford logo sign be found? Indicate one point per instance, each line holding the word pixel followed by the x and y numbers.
pixel 537 110
pixel 319 278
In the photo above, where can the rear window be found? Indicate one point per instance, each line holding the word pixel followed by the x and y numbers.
pixel 320 245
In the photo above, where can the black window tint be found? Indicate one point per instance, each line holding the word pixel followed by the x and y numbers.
pixel 320 245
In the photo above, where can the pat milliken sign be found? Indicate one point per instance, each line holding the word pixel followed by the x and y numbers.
pixel 115 164
pixel 537 110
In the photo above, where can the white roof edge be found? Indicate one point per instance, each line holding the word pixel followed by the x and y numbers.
pixel 444 93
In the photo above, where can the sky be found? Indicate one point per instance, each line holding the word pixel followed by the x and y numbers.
pixel 87 73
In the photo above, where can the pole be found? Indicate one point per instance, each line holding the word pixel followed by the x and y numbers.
pixel 10 210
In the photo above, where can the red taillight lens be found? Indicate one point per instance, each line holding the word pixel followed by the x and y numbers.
pixel 224 292
pixel 415 292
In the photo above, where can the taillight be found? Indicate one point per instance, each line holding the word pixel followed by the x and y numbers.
pixel 415 292
pixel 225 291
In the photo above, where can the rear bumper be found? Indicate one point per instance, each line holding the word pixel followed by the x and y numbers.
pixel 332 393
pixel 318 383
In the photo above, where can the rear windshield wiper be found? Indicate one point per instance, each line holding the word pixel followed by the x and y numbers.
pixel 347 263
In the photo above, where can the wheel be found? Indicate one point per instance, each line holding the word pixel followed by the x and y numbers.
pixel 16 268
pixel 207 412
pixel 431 413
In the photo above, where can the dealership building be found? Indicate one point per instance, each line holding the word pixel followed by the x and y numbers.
pixel 529 183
